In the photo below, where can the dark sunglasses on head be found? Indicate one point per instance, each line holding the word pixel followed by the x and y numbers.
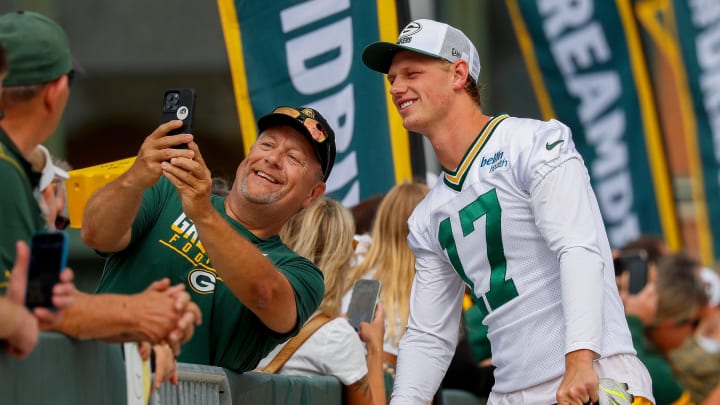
pixel 316 129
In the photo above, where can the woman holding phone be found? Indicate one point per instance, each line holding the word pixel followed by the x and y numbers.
pixel 390 260
pixel 323 232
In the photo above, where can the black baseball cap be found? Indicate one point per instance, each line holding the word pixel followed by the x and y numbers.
pixel 312 125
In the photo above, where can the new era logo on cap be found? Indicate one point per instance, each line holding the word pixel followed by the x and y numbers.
pixel 427 37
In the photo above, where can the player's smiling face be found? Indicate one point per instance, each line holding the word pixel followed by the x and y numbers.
pixel 420 88
pixel 280 167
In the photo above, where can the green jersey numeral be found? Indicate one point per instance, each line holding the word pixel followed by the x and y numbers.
pixel 501 290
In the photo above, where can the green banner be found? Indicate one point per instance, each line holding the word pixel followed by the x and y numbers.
pixel 588 70
pixel 308 54
pixel 698 31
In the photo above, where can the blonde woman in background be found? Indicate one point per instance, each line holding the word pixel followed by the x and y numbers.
pixel 323 233
pixel 390 260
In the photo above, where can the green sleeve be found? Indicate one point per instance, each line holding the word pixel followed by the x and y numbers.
pixel 19 216
pixel 309 285
pixel 153 200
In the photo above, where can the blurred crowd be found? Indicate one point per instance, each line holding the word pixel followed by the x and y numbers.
pixel 269 286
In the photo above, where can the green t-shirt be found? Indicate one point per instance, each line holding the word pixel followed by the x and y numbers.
pixel 666 388
pixel 165 243
pixel 20 214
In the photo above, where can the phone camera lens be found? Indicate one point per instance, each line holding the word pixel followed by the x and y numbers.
pixel 171 102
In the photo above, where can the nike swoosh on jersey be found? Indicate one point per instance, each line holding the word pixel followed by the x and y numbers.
pixel 550 146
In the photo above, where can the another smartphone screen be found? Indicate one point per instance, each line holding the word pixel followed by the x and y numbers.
pixel 362 302
pixel 48 255
pixel 636 264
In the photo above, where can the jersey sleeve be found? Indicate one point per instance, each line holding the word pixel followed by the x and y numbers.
pixel 549 145
pixel 309 286
pixel 567 215
pixel 429 342
pixel 152 202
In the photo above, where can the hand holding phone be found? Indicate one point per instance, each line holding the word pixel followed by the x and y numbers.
pixel 635 263
pixel 179 104
pixel 48 257
pixel 364 297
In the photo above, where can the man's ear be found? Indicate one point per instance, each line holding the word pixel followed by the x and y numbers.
pixel 317 191
pixel 460 74
pixel 53 93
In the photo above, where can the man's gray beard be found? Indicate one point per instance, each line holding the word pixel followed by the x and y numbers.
pixel 263 199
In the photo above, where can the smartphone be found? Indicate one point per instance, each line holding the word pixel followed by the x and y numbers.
pixel 365 294
pixel 48 257
pixel 179 104
pixel 635 263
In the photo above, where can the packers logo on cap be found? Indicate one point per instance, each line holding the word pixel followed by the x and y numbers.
pixel 410 29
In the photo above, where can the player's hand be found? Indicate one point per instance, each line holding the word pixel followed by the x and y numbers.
pixel 580 383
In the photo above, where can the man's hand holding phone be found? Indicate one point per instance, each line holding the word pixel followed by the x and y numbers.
pixel 44 283
pixel 179 104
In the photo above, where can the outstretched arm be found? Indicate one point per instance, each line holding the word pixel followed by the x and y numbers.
pixel 109 213
pixel 250 275
pixel 372 334
pixel 160 314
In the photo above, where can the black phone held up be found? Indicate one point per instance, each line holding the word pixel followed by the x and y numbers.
pixel 635 263
pixel 364 297
pixel 179 104
pixel 48 257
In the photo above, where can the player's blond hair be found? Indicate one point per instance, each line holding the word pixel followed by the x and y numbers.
pixel 323 233
pixel 390 256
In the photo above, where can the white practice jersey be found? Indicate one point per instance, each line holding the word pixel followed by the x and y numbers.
pixel 478 227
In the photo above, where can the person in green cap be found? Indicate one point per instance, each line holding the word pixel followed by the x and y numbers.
pixel 19 329
pixel 35 93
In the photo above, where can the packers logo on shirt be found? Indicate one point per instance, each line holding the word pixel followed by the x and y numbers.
pixel 202 281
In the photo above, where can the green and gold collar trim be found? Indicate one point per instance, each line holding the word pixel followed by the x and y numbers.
pixel 454 179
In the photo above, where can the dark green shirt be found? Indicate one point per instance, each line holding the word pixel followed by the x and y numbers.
pixel 665 386
pixel 20 214
pixel 165 243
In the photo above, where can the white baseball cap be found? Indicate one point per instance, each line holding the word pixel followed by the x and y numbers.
pixel 427 37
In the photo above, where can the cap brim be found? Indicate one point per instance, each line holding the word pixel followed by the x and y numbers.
pixel 378 56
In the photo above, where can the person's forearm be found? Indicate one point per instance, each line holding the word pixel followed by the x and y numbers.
pixel 376 377
pixel 250 275
pixel 105 317
pixel 581 279
pixel 109 214
pixel 422 363
pixel 13 317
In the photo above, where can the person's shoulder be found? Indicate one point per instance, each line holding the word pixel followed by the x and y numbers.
pixel 535 127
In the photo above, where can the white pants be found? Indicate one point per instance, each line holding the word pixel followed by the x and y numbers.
pixel 626 368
